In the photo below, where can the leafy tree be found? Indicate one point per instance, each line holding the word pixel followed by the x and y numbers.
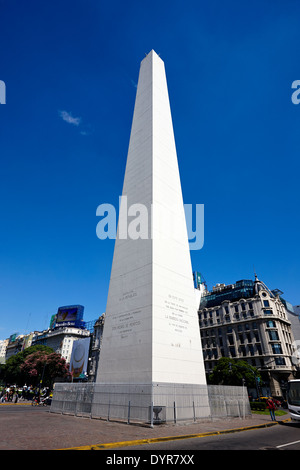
pixel 37 347
pixel 41 366
pixel 11 370
pixel 230 371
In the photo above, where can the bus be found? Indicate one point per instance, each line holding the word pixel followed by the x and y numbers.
pixel 293 399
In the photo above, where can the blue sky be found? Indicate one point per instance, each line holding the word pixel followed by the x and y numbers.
pixel 71 68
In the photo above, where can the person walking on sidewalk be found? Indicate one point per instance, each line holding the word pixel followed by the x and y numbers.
pixel 271 407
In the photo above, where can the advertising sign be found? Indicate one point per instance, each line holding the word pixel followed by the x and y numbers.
pixel 79 358
pixel 197 279
pixel 13 337
pixel 27 341
pixel 69 316
pixel 52 321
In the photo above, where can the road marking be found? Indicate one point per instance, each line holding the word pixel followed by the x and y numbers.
pixel 169 438
pixel 288 444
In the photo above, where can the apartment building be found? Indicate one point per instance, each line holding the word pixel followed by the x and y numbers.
pixel 248 321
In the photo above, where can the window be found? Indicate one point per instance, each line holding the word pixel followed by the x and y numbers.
pixel 266 303
pixel 243 350
pixel 273 335
pixel 280 361
pixel 236 309
pixel 243 306
pixel 250 306
pixel 262 363
pixel 232 351
pixel 268 312
pixel 276 348
pixel 271 324
pixel 230 339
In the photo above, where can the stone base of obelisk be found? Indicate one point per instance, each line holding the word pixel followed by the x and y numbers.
pixel 155 403
pixel 151 404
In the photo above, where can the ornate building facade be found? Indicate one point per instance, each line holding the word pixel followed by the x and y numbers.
pixel 248 321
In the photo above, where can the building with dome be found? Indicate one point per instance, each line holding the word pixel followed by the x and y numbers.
pixel 248 321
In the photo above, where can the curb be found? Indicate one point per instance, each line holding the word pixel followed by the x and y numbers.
pixel 173 438
pixel 14 404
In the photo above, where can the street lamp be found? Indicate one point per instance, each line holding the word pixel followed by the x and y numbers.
pixel 244 398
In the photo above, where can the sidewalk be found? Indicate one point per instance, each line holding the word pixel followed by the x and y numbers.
pixel 35 428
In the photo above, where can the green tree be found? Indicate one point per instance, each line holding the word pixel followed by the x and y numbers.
pixel 11 371
pixel 230 371
pixel 42 367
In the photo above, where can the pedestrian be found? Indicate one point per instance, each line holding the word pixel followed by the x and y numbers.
pixel 10 395
pixel 271 407
pixel 15 396
pixel 24 392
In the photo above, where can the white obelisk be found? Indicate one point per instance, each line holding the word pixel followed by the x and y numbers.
pixel 151 332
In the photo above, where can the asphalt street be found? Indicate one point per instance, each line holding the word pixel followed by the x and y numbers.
pixel 24 427
pixel 283 437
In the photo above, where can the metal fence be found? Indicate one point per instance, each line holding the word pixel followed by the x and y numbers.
pixel 151 404
pixel 228 401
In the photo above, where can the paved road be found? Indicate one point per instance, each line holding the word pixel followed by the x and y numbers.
pixel 282 437
pixel 34 428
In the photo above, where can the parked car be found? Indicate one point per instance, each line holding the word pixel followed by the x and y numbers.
pixel 264 399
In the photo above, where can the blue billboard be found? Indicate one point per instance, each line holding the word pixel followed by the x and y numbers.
pixel 70 315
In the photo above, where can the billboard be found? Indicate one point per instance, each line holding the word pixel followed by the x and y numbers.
pixel 52 321
pixel 27 341
pixel 197 279
pixel 79 358
pixel 13 337
pixel 69 316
